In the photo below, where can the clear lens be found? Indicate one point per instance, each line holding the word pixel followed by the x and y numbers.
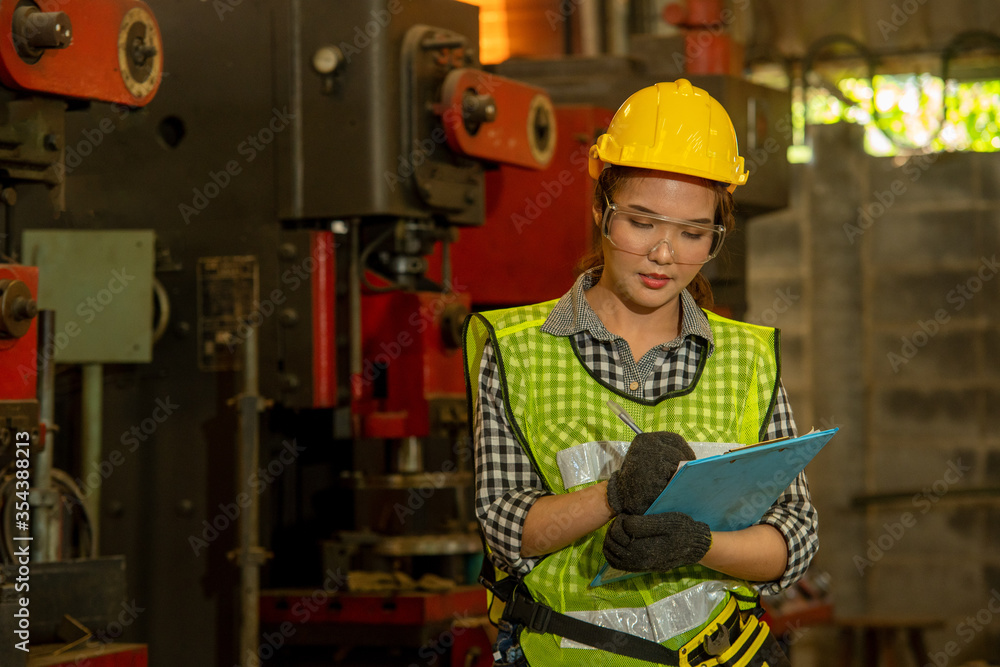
pixel 641 233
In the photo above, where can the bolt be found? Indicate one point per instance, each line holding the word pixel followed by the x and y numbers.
pixel 287 251
pixel 50 142
pixel 185 507
pixel 141 52
pixel 327 59
pixel 8 196
pixel 24 309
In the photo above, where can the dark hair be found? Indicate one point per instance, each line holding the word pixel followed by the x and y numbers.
pixel 611 182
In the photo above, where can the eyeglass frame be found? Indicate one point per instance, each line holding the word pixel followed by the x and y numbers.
pixel 612 207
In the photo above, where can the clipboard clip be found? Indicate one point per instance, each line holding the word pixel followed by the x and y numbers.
pixel 758 444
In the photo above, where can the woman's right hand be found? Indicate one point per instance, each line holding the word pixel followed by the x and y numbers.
pixel 651 460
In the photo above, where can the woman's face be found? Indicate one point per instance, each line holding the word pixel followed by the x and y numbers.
pixel 645 283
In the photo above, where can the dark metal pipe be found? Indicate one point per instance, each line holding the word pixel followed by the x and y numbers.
pixel 92 419
pixel 355 276
pixel 250 556
pixel 45 525
pixel 566 9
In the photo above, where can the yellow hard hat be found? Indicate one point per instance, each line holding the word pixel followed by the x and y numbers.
pixel 672 127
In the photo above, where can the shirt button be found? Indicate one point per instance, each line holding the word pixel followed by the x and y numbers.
pixel 634 386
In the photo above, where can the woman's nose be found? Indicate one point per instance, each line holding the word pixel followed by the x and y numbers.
pixel 662 253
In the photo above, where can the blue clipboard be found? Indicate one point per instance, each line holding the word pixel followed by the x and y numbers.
pixel 731 491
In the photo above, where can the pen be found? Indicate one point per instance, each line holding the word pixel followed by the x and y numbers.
pixel 618 410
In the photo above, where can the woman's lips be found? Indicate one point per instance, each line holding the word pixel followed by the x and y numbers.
pixel 654 280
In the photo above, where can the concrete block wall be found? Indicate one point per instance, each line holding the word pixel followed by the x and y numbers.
pixel 931 275
pixel 896 339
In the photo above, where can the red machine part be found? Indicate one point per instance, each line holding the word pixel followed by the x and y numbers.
pixel 708 49
pixel 324 329
pixel 459 615
pixel 538 224
pixel 19 377
pixel 496 119
pixel 472 648
pixel 694 13
pixel 395 609
pixel 97 64
pixel 411 354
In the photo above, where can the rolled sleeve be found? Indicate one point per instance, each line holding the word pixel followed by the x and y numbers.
pixel 793 513
pixel 795 518
pixel 506 482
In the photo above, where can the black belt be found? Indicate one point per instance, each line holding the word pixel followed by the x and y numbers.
pixel 538 617
pixel 541 618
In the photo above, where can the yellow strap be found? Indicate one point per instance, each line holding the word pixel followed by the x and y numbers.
pixel 751 651
pixel 721 618
pixel 738 644
pixel 755 327
pixel 743 647
pixel 519 327
pixel 495 606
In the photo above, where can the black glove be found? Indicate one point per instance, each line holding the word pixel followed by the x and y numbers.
pixel 656 543
pixel 651 461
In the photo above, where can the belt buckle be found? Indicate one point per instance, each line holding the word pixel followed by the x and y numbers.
pixel 540 617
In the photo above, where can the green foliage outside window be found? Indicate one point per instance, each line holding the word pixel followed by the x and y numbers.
pixel 907 115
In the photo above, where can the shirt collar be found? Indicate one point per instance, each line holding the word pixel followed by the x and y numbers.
pixel 572 314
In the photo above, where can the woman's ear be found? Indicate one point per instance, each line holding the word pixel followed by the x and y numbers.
pixel 597 215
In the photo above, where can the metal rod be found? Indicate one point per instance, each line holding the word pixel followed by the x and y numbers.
pixel 617 27
pixel 249 556
pixel 45 524
pixel 354 303
pixel 446 266
pixel 93 407
pixel 298 141
pixel 566 10
pixel 590 27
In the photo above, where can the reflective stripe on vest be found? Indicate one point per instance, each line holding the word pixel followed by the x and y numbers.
pixel 673 615
pixel 594 461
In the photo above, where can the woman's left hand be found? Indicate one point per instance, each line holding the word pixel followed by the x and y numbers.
pixel 656 542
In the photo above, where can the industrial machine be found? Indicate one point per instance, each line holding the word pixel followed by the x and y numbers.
pixel 385 303
pixel 252 309
pixel 54 590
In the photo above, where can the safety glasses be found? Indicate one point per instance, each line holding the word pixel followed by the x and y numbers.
pixel 640 233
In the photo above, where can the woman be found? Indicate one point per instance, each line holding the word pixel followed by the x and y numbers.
pixel 631 330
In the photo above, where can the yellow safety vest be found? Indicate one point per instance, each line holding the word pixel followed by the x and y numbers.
pixel 554 405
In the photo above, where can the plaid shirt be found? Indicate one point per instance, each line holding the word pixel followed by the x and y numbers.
pixel 507 484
